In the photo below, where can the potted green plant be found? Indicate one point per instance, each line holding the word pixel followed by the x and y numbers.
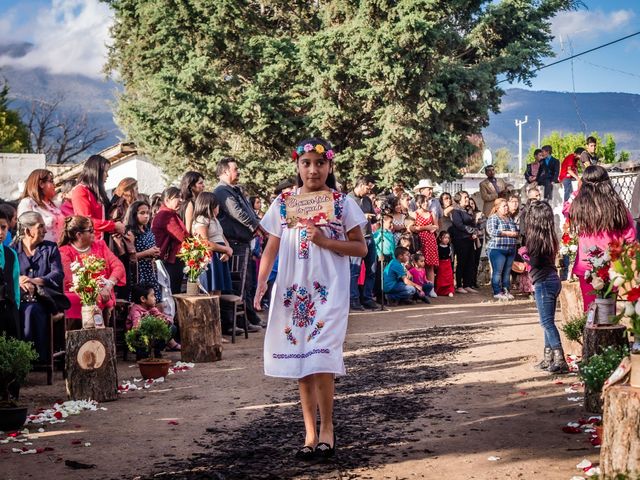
pixel 149 335
pixel 594 372
pixel 16 357
pixel 574 328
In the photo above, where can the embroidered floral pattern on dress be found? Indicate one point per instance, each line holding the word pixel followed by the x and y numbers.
pixel 304 309
pixel 338 202
pixel 303 244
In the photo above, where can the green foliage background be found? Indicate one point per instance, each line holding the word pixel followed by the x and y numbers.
pixel 396 86
pixel 14 135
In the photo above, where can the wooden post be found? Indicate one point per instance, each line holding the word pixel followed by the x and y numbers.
pixel 200 328
pixel 91 365
pixel 571 307
pixel 620 451
pixel 594 341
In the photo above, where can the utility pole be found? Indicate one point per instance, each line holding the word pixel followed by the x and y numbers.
pixel 519 124
pixel 538 133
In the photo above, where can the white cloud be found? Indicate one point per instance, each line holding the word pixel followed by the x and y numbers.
pixel 70 36
pixel 589 24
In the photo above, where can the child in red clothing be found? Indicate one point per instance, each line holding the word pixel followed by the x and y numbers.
pixel 444 278
pixel 144 299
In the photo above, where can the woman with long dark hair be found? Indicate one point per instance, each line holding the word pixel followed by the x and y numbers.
pixel 191 185
pixel 598 216
pixel 464 233
pixel 169 230
pixel 542 248
pixel 89 197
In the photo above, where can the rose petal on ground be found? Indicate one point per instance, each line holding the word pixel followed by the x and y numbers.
pixel 584 464
pixel 592 471
pixel 461 411
pixel 568 429
pixel 87 444
pixel 172 422
pixel 522 392
pixel 493 458
pixel 76 442
pixel 574 399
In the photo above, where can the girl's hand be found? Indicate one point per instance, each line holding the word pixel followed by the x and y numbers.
pixel 315 234
pixel 153 252
pixel 224 257
pixel 432 228
pixel 229 252
pixel 261 289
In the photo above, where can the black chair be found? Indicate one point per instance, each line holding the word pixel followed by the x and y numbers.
pixel 238 267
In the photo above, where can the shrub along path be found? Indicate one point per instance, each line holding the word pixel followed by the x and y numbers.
pixel 431 391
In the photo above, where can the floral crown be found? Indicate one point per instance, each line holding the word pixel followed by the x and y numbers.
pixel 318 148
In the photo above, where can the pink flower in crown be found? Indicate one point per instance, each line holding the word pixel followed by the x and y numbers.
pixel 329 154
pixel 308 147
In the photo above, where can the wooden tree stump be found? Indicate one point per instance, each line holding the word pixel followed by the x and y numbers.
pixel 595 340
pixel 620 451
pixel 570 307
pixel 91 365
pixel 200 328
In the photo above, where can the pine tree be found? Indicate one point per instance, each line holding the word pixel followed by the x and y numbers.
pixel 14 136
pixel 397 86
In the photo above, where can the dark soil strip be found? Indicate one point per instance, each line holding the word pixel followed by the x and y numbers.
pixel 388 386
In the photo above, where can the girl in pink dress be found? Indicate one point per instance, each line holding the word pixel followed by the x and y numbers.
pixel 598 216
pixel 426 228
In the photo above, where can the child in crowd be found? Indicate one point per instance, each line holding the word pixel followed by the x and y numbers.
pixel 444 279
pixel 11 214
pixel 138 218
pixel 407 242
pixel 426 226
pixel 419 275
pixel 397 285
pixel 144 303
pixel 9 283
pixel 217 278
pixel 383 239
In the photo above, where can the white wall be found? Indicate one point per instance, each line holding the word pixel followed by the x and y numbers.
pixel 14 170
pixel 150 177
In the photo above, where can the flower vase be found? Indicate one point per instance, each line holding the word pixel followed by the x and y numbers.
pixel 88 320
pixel 192 288
pixel 605 310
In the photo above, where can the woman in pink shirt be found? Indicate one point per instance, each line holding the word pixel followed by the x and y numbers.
pixel 89 198
pixel 598 215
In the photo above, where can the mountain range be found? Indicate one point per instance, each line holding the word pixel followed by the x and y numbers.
pixel 606 112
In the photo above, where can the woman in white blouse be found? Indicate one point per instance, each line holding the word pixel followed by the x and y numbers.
pixel 39 192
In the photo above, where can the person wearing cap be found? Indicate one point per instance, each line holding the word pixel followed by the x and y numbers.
pixel 425 187
pixel 490 189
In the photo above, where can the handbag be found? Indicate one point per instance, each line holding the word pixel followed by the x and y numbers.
pixel 53 300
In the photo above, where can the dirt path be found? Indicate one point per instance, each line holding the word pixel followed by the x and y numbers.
pixel 409 371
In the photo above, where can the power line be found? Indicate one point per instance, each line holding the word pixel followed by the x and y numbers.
pixel 580 54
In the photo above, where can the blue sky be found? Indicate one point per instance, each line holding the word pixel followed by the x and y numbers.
pixel 70 37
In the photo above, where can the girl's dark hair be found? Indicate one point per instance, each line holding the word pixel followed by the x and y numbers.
pixel 169 193
pixel 420 199
pixel 416 258
pixel 331 178
pixel 156 202
pixel 205 205
pixel 540 232
pixel 131 216
pixel 597 206
pixel 252 200
pixel 140 290
pixel 72 226
pixel 442 234
pixel 188 181
pixel 92 176
pixel 475 205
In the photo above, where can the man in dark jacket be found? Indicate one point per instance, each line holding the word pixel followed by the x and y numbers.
pixel 239 224
pixel 548 171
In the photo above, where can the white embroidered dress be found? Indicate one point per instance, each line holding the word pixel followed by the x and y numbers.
pixel 310 297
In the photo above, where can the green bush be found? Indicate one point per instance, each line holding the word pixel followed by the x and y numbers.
pixel 574 328
pixel 595 371
pixel 149 331
pixel 16 357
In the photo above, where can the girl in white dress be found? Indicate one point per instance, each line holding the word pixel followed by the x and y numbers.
pixel 310 297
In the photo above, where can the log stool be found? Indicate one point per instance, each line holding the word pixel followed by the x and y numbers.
pixel 620 451
pixel 200 328
pixel 571 307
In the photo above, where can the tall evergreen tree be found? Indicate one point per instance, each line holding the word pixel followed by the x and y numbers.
pixel 14 136
pixel 397 86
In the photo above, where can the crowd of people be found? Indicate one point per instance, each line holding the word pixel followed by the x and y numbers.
pixel 397 247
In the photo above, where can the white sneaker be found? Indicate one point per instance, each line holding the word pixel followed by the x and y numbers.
pixel 433 294
pixel 508 295
pixel 451 294
pixel 472 290
pixel 500 296
pixel 461 290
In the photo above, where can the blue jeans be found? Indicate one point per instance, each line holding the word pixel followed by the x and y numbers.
pixel 501 261
pixel 402 291
pixel 567 186
pixel 370 266
pixel 546 294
